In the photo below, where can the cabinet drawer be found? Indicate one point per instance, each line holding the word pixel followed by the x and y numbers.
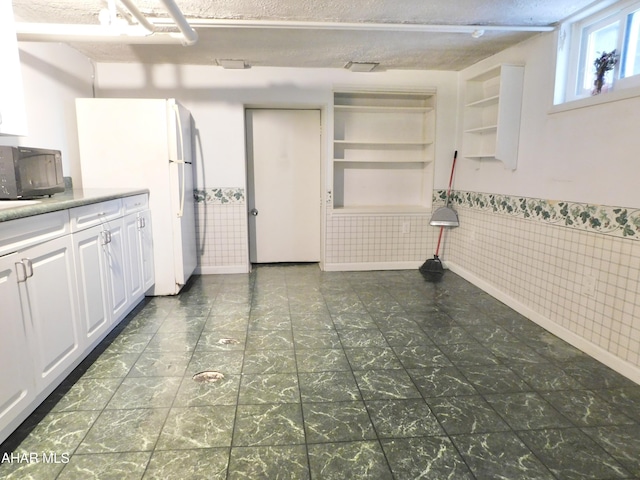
pixel 95 214
pixel 24 232
pixel 135 203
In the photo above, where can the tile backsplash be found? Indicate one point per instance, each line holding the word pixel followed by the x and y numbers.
pixel 221 230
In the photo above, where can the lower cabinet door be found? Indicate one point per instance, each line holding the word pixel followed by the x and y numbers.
pixel 146 246
pixel 134 255
pixel 115 252
pixel 48 298
pixel 17 387
pixel 93 290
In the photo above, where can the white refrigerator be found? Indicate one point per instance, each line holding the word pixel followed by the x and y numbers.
pixel 146 143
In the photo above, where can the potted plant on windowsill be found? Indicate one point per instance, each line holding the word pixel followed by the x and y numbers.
pixel 604 63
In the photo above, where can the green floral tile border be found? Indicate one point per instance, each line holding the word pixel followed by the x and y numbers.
pixel 220 195
pixel 617 221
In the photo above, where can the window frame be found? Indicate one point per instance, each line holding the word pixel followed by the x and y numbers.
pixel 573 35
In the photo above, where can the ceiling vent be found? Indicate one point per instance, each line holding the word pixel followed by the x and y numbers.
pixel 232 64
pixel 361 66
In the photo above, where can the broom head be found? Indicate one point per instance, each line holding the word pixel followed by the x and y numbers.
pixel 432 269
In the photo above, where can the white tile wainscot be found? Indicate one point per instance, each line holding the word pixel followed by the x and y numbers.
pixel 583 286
pixel 378 241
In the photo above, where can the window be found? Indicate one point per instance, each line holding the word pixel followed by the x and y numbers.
pixel 616 28
pixel 631 60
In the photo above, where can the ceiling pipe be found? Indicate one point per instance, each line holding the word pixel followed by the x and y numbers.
pixel 144 33
pixel 190 35
pixel 365 26
pixel 138 15
pixel 70 33
pixel 134 33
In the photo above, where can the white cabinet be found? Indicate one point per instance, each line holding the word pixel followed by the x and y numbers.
pixel 140 275
pixel 39 315
pixel 114 251
pixel 92 271
pixel 13 116
pixel 65 282
pixel 17 388
pixel 132 224
pixel 491 116
pixel 138 233
pixel 145 238
pixel 110 260
pixel 383 150
pixel 47 284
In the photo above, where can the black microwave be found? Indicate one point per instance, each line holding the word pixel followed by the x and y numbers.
pixel 30 172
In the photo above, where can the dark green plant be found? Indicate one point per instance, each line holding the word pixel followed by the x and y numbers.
pixel 605 62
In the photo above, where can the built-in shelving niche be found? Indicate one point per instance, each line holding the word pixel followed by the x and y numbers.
pixel 383 150
pixel 491 115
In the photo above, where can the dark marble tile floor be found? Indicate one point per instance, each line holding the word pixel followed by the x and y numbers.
pixel 358 375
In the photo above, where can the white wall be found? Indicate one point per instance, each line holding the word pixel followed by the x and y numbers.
pixel 217 98
pixel 579 279
pixel 584 155
pixel 53 75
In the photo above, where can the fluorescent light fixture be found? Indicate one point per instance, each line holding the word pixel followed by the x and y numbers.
pixel 232 64
pixel 361 66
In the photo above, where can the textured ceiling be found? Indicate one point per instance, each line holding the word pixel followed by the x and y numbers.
pixel 318 47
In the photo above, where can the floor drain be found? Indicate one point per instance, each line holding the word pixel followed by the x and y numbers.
pixel 209 376
pixel 228 341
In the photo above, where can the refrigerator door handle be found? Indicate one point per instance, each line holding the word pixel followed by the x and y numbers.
pixel 180 161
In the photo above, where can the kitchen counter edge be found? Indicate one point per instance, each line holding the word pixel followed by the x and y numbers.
pixel 66 200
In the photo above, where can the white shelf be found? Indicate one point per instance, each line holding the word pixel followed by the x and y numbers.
pixel 380 144
pixel 380 109
pixel 484 102
pixel 383 151
pixel 491 116
pixel 376 160
pixel 480 156
pixel 483 130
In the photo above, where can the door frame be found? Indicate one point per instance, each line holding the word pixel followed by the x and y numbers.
pixel 324 196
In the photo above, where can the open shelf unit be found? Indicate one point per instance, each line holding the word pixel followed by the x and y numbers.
pixel 383 150
pixel 493 101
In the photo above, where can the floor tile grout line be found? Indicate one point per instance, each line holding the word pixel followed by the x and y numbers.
pixel 295 358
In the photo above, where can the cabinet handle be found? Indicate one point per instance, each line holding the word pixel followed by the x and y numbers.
pixel 24 272
pixel 104 237
pixel 28 267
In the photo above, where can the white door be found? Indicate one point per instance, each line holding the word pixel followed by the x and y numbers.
pixel 145 234
pixel 133 251
pixel 49 304
pixel 16 372
pixel 114 250
pixel 91 271
pixel 283 152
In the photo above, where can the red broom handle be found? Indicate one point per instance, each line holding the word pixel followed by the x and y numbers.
pixel 453 168
pixel 439 239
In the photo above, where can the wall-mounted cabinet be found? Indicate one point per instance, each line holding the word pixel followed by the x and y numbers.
pixel 491 115
pixel 383 150
pixel 13 114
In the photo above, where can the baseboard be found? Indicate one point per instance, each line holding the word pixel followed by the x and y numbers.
pixel 225 269
pixel 632 372
pixel 366 266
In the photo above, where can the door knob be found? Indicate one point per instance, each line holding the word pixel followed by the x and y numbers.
pixel 254 212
